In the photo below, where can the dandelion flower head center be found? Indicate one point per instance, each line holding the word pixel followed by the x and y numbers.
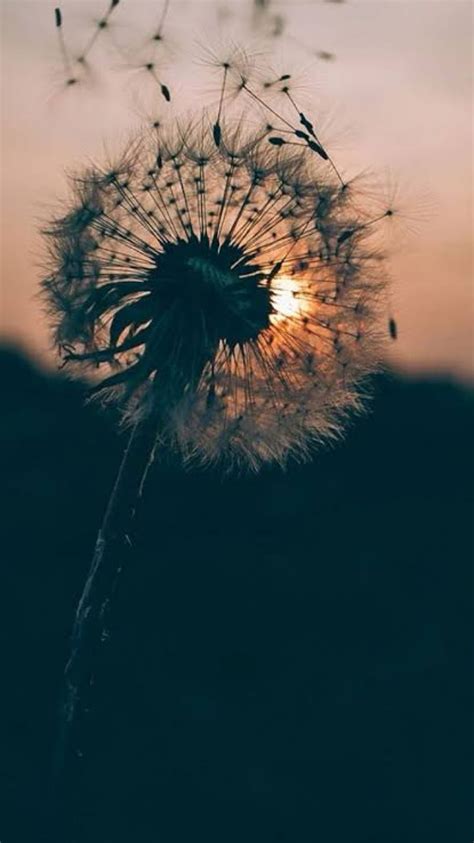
pixel 209 292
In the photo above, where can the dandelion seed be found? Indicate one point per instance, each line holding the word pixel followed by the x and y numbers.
pixel 278 27
pixel 157 39
pixel 324 55
pixel 159 31
pixel 345 236
pixel 272 82
pixel 216 133
pixel 101 25
pixel 151 69
pixel 277 141
pixel 70 78
pixel 316 147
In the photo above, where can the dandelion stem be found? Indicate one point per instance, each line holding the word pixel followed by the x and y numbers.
pixel 112 551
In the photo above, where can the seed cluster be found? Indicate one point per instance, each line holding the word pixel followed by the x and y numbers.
pixel 231 288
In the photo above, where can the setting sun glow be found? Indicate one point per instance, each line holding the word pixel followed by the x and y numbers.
pixel 287 298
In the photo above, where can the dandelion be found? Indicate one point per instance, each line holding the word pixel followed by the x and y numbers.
pixel 226 296
pixel 170 270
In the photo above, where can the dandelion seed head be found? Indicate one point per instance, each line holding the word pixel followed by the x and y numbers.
pixel 231 289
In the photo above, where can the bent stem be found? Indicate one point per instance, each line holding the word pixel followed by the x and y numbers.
pixel 89 631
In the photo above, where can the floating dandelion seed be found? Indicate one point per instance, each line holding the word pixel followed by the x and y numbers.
pixel 154 48
pixel 264 18
pixel 101 25
pixel 76 67
pixel 231 291
pixel 158 36
pixel 325 55
pixel 150 69
pixel 70 77
pixel 278 26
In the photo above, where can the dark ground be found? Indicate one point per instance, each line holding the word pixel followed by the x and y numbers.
pixel 290 657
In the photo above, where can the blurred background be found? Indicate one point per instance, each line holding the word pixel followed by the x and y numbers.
pixel 290 653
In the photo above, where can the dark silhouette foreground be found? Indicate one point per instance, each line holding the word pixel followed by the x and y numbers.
pixel 289 658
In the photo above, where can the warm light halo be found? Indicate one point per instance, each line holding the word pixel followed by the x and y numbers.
pixel 288 298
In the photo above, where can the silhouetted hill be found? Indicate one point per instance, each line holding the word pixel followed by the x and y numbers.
pixel 290 652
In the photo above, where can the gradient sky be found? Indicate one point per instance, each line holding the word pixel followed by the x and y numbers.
pixel 397 100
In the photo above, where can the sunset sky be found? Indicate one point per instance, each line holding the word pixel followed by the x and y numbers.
pixel 396 100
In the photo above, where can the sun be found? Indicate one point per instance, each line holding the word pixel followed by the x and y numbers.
pixel 288 300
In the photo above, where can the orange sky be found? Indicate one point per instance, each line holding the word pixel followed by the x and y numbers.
pixel 401 84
